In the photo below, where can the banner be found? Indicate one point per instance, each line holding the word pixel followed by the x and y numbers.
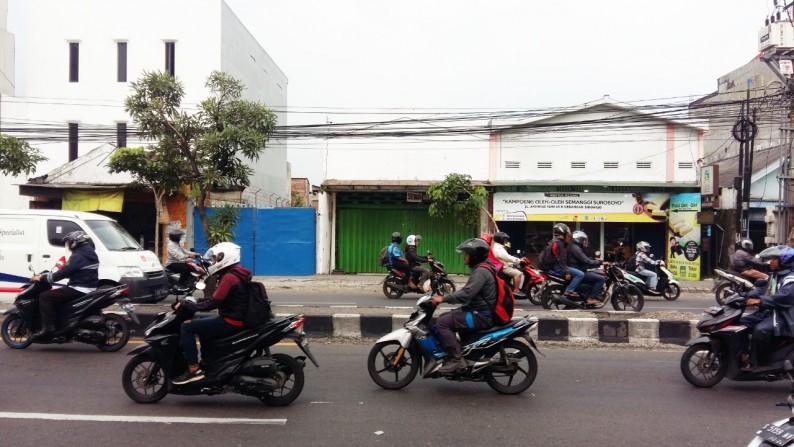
pixel 683 237
pixel 581 206
pixel 93 201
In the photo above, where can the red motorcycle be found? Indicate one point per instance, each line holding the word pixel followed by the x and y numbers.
pixel 533 281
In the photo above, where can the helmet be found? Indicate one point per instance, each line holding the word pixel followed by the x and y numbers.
pixel 487 238
pixel 221 256
pixel 782 252
pixel 476 248
pixel 396 237
pixel 501 237
pixel 561 230
pixel 175 234
pixel 643 246
pixel 746 244
pixel 410 240
pixel 580 237
pixel 75 239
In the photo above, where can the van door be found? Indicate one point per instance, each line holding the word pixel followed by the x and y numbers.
pixel 52 249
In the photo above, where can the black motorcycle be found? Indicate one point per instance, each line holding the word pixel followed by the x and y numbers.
pixel 241 363
pixel 80 319
pixel 617 289
pixel 196 279
pixel 716 352
pixel 396 284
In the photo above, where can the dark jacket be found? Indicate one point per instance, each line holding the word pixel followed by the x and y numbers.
pixel 557 258
pixel 413 258
pixel 742 260
pixel 578 260
pixel 479 293
pixel 82 268
pixel 781 302
pixel 231 295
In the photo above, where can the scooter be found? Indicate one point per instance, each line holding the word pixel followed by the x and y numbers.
pixel 779 433
pixel 716 353
pixel 618 290
pixel 396 284
pixel 501 356
pixel 729 284
pixel 533 281
pixel 198 275
pixel 666 286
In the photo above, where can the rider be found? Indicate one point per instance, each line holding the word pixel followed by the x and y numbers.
pixel 578 260
pixel 501 242
pixel 476 298
pixel 414 260
pixel 642 260
pixel 231 299
pixel 396 259
pixel 82 269
pixel 556 259
pixel 744 262
pixel 177 255
pixel 775 316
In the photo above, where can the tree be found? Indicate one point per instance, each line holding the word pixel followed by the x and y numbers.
pixel 203 149
pixel 456 195
pixel 17 156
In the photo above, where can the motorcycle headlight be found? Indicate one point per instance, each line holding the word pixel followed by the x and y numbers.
pixel 131 272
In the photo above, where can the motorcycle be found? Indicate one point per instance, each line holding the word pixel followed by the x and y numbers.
pixel 779 433
pixel 396 282
pixel 532 282
pixel 618 289
pixel 716 352
pixel 241 363
pixel 80 319
pixel 198 276
pixel 666 285
pixel 729 284
pixel 501 356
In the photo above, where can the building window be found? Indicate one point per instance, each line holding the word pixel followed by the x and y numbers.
pixel 643 165
pixel 121 134
pixel 685 165
pixel 544 165
pixel 121 61
pixel 512 164
pixel 72 141
pixel 74 61
pixel 170 57
pixel 578 164
pixel 610 165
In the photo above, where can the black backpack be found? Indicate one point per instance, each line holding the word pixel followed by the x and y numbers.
pixel 259 310
pixel 631 263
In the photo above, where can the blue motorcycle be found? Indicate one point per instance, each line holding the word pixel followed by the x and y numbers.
pixel 501 356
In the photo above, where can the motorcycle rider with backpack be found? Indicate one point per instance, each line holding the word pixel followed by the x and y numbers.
pixel 554 258
pixel 743 261
pixel 396 259
pixel 578 260
pixel 414 260
pixel 476 298
pixel 231 300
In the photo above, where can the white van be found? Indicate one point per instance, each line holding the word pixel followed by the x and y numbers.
pixel 34 238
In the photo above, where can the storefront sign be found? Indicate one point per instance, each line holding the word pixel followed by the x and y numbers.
pixel 683 237
pixel 414 197
pixel 709 180
pixel 580 206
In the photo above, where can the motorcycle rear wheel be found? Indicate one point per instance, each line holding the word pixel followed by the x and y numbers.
pixel 628 298
pixel 290 377
pixel 143 380
pixel 381 367
pixel 550 297
pixel 15 333
pixel 723 291
pixel 672 292
pixel 391 289
pixel 120 333
pixel 533 295
pixel 515 368
pixel 699 370
pixel 446 286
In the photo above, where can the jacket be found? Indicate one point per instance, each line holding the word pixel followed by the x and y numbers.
pixel 176 253
pixel 230 297
pixel 742 260
pixel 82 268
pixel 500 252
pixel 413 258
pixel 395 255
pixel 578 260
pixel 781 302
pixel 479 293
pixel 642 260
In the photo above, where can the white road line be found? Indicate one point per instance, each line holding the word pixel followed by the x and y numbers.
pixel 145 419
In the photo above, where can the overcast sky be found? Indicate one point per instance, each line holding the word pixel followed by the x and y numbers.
pixel 400 55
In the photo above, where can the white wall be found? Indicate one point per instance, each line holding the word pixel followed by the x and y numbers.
pixel 6 53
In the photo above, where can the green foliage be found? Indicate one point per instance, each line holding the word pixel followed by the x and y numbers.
pixel 457 196
pixel 222 223
pixel 17 156
pixel 147 167
pixel 297 201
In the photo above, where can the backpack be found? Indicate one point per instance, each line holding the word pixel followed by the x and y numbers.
pixel 545 261
pixel 383 257
pixel 505 301
pixel 259 310
pixel 631 263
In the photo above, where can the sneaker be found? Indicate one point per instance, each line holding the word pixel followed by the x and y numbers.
pixel 189 377
pixel 520 294
pixel 747 368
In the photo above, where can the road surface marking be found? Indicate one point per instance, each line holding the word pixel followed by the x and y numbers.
pixel 145 419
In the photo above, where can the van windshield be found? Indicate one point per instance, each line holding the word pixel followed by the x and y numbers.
pixel 113 235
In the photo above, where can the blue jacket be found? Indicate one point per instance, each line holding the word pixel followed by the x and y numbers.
pixel 394 254
pixel 82 268
pixel 781 302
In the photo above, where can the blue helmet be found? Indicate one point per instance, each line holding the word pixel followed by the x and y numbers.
pixel 783 252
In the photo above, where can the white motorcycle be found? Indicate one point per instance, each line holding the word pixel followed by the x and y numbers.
pixel 779 433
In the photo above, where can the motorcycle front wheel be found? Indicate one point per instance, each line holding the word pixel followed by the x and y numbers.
pixel 143 380
pixel 672 292
pixel 117 333
pixel 628 298
pixel 723 291
pixel 513 369
pixel 703 367
pixel 391 366
pixel 446 286
pixel 290 382
pixel 391 288
pixel 16 334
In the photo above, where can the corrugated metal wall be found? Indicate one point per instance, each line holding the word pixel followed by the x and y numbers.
pixel 362 230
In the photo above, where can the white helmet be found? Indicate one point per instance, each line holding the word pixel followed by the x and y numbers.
pixel 643 246
pixel 410 240
pixel 221 256
pixel 580 237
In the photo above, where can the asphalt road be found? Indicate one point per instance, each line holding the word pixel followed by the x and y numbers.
pixel 581 397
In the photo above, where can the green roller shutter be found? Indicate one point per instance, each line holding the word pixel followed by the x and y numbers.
pixel 362 230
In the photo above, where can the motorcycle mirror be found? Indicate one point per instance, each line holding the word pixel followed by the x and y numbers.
pixel 200 285
pixel 651 255
pixel 191 299
pixel 30 267
pixel 518 252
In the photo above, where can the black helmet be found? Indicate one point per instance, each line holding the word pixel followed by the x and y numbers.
pixel 476 248
pixel 175 234
pixel 396 237
pixel 75 239
pixel 501 237
pixel 746 244
pixel 561 230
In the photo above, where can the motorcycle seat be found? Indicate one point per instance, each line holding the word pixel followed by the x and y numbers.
pixel 243 333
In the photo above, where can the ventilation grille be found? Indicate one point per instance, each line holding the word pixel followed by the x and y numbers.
pixel 544 165
pixel 578 164
pixel 643 165
pixel 610 165
pixel 685 165
pixel 512 164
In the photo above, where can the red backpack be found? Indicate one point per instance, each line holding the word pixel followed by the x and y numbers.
pixel 505 301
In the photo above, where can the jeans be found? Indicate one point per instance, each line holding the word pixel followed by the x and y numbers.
pixel 762 325
pixel 576 278
pixel 650 277
pixel 207 329
pixel 460 321
pixel 597 281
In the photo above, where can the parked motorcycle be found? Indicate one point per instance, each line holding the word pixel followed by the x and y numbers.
pixel 779 433
pixel 618 289
pixel 500 356
pixel 396 282
pixel 81 319
pixel 666 285
pixel 198 276
pixel 716 352
pixel 241 363
pixel 728 284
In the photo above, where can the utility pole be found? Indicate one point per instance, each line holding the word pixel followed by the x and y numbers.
pixel 744 131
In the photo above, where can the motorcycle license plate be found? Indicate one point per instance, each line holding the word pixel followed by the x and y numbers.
pixel 127 307
pixel 776 435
